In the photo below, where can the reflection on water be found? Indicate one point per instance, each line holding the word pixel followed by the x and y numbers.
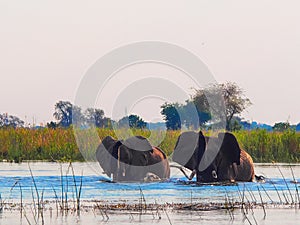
pixel 277 194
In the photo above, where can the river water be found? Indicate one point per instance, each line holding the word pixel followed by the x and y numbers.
pixel 273 202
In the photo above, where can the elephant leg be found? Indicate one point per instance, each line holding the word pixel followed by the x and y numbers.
pixel 157 163
pixel 233 172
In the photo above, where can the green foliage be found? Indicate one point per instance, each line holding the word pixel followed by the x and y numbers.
pixel 95 117
pixel 10 121
pixel 281 126
pixel 38 144
pixel 235 125
pixel 233 101
pixel 215 103
pixel 170 113
pixel 63 113
pixel 68 114
pixel 59 144
pixel 266 146
pixel 132 121
pixel 52 125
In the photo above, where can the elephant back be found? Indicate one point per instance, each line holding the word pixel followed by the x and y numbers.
pixel 137 143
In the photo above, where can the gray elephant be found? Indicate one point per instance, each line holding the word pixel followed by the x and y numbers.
pixel 213 159
pixel 133 159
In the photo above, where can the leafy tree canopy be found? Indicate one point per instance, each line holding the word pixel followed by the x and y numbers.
pixel 133 121
pixel 207 102
pixel 234 100
pixel 65 113
pixel 170 112
pixel 10 121
pixel 281 126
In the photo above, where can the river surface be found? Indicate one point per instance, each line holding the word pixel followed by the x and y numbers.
pixel 276 199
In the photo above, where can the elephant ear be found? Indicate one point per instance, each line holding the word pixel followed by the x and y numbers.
pixel 187 152
pixel 104 154
pixel 230 147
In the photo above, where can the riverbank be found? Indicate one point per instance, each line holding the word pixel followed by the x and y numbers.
pixel 60 144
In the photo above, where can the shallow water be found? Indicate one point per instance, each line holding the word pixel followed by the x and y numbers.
pixel 274 217
pixel 277 193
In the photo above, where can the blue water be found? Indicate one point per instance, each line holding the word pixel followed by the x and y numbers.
pixel 177 190
pixel 174 190
pixel 95 186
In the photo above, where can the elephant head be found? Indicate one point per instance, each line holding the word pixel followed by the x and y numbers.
pixel 223 166
pixel 212 159
pixel 106 155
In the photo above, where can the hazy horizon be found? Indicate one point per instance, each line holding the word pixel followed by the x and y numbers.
pixel 47 47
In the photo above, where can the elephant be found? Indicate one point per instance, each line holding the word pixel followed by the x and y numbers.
pixel 132 160
pixel 213 159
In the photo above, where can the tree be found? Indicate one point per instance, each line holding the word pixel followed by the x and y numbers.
pixel 52 125
pixel 187 114
pixel 134 121
pixel 236 124
pixel 171 115
pixel 10 121
pixel 281 126
pixel 234 100
pixel 65 113
pixel 95 116
pixel 108 122
pixel 194 115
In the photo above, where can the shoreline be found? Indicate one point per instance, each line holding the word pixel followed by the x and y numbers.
pixel 94 204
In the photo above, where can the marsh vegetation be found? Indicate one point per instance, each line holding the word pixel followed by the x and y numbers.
pixel 59 144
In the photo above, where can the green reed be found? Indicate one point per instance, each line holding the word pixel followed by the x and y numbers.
pixel 266 146
pixel 41 144
pixel 60 144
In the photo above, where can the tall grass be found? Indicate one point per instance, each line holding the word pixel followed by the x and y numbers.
pixel 60 145
pixel 42 144
pixel 266 146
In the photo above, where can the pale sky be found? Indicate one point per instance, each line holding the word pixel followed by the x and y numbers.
pixel 46 47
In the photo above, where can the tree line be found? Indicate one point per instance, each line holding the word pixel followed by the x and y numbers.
pixel 196 112
pixel 66 112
